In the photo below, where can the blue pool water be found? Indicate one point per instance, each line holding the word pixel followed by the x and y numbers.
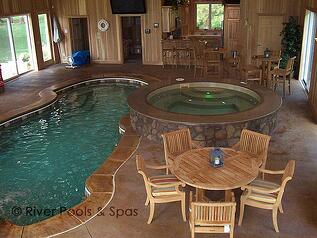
pixel 45 161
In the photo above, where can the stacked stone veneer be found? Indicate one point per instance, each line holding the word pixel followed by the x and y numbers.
pixel 205 134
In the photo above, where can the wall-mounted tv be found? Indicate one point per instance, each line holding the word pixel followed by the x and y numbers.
pixel 232 1
pixel 128 6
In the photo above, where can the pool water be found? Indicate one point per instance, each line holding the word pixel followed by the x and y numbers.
pixel 202 100
pixel 45 160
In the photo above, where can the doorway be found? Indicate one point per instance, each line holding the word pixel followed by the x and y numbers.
pixel 131 39
pixel 16 55
pixel 79 34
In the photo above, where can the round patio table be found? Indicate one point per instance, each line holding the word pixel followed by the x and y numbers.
pixel 193 168
pixel 266 64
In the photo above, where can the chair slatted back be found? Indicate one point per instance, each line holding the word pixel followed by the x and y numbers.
pixel 182 44
pixel 287 176
pixel 255 143
pixel 168 45
pixel 213 213
pixel 198 49
pixel 177 142
pixel 290 64
pixel 289 170
pixel 213 56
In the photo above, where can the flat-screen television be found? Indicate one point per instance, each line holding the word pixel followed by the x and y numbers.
pixel 128 6
pixel 232 1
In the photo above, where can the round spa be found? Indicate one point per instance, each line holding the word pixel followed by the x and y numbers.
pixel 215 113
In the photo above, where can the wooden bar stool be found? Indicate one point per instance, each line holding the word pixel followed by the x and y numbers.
pixel 213 63
pixel 169 53
pixel 231 67
pixel 199 58
pixel 183 53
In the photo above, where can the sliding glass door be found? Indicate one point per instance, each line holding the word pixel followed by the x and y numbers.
pixel 308 47
pixel 15 49
pixel 7 53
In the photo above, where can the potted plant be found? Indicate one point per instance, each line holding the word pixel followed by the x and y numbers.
pixel 175 3
pixel 291 42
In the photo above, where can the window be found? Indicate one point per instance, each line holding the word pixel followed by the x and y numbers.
pixel 209 16
pixel 7 54
pixel 45 37
pixel 15 48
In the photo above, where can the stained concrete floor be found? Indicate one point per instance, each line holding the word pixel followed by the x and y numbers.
pixel 295 138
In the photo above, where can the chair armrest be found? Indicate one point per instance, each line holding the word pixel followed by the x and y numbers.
pixel 260 190
pixel 157 167
pixel 278 71
pixel 266 171
pixel 236 146
pixel 167 185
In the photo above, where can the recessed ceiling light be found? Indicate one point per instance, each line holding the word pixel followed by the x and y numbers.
pixel 180 79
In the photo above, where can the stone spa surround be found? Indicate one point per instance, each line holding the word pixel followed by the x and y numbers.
pixel 216 130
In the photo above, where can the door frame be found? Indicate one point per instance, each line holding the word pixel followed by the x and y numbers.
pixel 50 30
pixel 70 31
pixel 120 43
pixel 312 95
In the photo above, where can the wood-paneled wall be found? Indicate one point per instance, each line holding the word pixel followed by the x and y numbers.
pixel 152 47
pixel 304 4
pixel 106 47
pixel 14 7
pixel 250 12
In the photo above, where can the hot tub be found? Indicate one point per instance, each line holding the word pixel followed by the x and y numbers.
pixel 214 112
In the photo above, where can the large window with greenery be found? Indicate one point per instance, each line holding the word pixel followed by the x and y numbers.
pixel 209 16
pixel 15 46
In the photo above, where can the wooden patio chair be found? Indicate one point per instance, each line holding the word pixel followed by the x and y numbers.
pixel 199 57
pixel 169 53
pixel 160 189
pixel 254 143
pixel 213 63
pixel 183 53
pixel 251 73
pixel 279 75
pixel 212 217
pixel 267 195
pixel 231 67
pixel 176 143
pixel 275 63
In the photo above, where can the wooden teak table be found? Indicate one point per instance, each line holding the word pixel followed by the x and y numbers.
pixel 193 168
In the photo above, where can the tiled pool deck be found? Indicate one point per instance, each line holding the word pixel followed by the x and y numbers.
pixel 295 138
